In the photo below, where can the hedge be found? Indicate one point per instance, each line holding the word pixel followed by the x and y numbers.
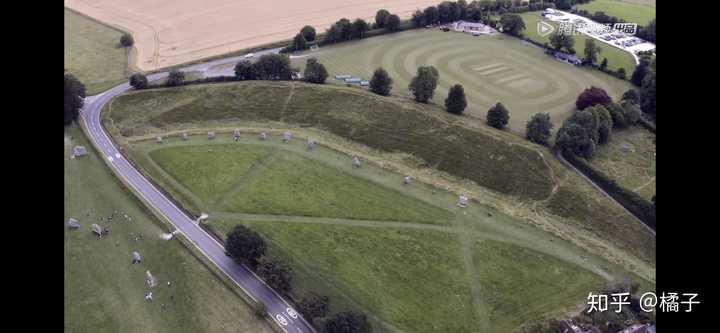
pixel 641 208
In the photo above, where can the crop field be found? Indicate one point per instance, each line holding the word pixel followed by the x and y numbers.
pixel 492 69
pixel 193 30
pixel 633 11
pixel 92 53
pixel 616 57
pixel 629 158
pixel 104 292
pixel 499 168
pixel 373 243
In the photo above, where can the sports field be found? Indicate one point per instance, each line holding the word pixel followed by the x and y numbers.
pixel 633 11
pixel 492 69
pixel 629 158
pixel 104 292
pixel 92 53
pixel 192 29
pixel 616 57
pixel 375 244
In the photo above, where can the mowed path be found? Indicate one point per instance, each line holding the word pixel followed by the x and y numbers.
pixel 468 226
pixel 492 69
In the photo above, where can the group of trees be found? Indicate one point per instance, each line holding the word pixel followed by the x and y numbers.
pixel 344 30
pixel 267 67
pixel 247 247
pixel 644 78
pixel 302 40
pixel 74 98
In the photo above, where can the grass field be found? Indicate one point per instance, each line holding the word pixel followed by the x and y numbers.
pixel 616 57
pixel 633 11
pixel 390 269
pixel 105 293
pixel 92 53
pixel 633 169
pixel 492 69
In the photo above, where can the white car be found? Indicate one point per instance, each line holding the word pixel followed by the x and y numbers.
pixel 249 55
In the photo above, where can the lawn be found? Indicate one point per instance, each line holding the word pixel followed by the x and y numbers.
pixel 616 57
pixel 104 292
pixel 629 159
pixel 533 289
pixel 93 54
pixel 492 69
pixel 633 11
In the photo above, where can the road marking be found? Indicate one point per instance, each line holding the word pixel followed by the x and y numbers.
pixel 281 319
pixel 291 313
pixel 117 155
pixel 110 158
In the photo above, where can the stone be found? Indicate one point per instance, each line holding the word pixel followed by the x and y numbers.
pixel 211 135
pixel 462 201
pixel 79 151
pixel 97 230
pixel 263 136
pixel 407 180
pixel 311 144
pixel 236 134
pixel 355 162
pixel 158 139
pixel 73 223
pixel 184 136
pixel 136 258
pixel 287 136
pixel 150 279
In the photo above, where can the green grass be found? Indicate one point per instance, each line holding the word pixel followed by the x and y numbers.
pixel 105 293
pixel 633 11
pixel 412 279
pixel 492 69
pixel 93 54
pixel 521 285
pixel 634 169
pixel 617 58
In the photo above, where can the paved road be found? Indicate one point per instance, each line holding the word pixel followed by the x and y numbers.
pixel 278 309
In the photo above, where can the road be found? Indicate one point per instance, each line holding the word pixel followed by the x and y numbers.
pixel 278 309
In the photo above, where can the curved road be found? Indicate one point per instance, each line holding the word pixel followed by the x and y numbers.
pixel 278 309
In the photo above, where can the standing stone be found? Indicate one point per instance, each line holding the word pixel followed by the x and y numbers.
pixel 263 136
pixel 311 144
pixel 286 137
pixel 184 136
pixel 407 180
pixel 236 134
pixel 158 139
pixel 79 151
pixel 355 162
pixel 150 279
pixel 136 258
pixel 211 135
pixel 73 223
pixel 462 201
pixel 97 230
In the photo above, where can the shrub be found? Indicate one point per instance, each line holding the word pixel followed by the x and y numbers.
pixel 498 116
pixel 126 40
pixel 592 96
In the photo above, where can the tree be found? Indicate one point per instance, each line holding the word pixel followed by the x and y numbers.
pixel 631 112
pixel 299 42
pixel 392 23
pixel 276 274
pixel 498 116
pixel 175 78
pixel 359 28
pixel 381 83
pixel 648 94
pixel 562 41
pixel 590 121
pixel 138 81
pixel 74 98
pixel 592 96
pixel 431 15
pixel 621 73
pixel 347 322
pixel 423 85
pixel 380 17
pixel 618 115
pixel 591 51
pixel 315 72
pixel 605 123
pixel 573 138
pixel 244 70
pixel 512 24
pixel 539 128
pixel 314 306
pixel 418 19
pixel 273 67
pixel 603 64
pixel 346 29
pixel 333 34
pixel 640 71
pixel 244 245
pixel 259 309
pixel 309 33
pixel 126 40
pixel 456 102
pixel 632 96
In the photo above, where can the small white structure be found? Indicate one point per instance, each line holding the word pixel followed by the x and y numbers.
pixel 148 296
pixel 462 201
pixel 407 180
pixel 311 144
pixel 97 230
pixel 471 27
pixel 211 135
pixel 158 139
pixel 355 162
pixel 286 137
pixel 150 279
pixel 548 11
pixel 79 151
pixel 236 134
pixel 73 223
pixel 184 136
pixel 136 257
pixel 263 136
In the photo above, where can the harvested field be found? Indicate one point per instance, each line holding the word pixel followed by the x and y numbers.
pixel 193 29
